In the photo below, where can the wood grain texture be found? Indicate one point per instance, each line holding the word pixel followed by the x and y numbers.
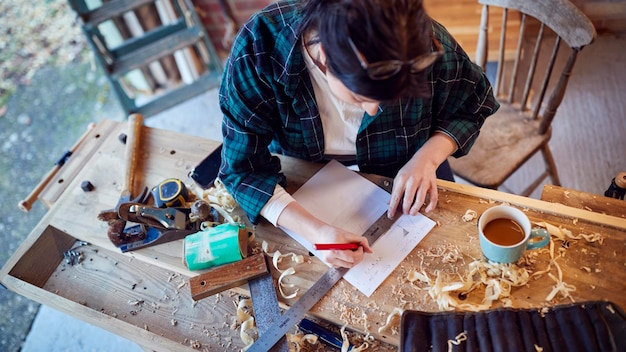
pixel 583 200
pixel 228 276
pixel 106 288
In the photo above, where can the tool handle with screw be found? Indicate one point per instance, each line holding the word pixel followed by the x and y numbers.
pixel 617 188
pixel 27 203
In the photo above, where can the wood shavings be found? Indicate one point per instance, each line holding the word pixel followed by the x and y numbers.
pixel 446 253
pixel 247 323
pixel 497 280
pixel 392 319
pixel 469 215
pixel 224 214
pixel 243 333
pixel 221 200
pixel 610 308
pixel 281 284
pixel 345 345
pixel 558 232
pixel 564 234
pixel 242 313
pixel 594 237
pixel 220 196
pixel 195 344
pixel 457 340
pixel 277 257
pixel 300 339
pixel 560 287
pixel 415 275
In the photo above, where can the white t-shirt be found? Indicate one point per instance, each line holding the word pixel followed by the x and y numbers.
pixel 340 122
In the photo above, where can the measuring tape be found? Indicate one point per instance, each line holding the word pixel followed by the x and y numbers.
pixel 298 310
pixel 170 192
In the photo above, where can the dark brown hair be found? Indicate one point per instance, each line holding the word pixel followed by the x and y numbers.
pixel 381 30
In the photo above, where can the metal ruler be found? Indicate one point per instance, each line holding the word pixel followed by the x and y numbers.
pixel 298 310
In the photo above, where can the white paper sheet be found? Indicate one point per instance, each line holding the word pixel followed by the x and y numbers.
pixel 349 201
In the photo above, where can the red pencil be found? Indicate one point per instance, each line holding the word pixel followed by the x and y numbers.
pixel 336 246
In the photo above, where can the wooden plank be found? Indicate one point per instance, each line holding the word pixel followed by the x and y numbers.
pixel 583 200
pixel 154 51
pixel 594 268
pixel 80 157
pixel 228 276
pixel 345 305
pixel 40 260
pixel 462 19
pixel 127 297
pixel 163 154
pixel 140 302
pixel 159 33
pixel 546 208
pixel 110 10
pixel 183 92
pixel 604 10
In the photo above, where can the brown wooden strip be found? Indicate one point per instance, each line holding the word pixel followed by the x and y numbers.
pixel 583 200
pixel 228 276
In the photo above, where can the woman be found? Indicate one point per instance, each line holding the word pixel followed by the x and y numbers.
pixel 375 83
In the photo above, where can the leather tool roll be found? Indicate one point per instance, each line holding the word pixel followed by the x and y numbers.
pixel 586 327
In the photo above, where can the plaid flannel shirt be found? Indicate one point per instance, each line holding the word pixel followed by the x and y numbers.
pixel 269 107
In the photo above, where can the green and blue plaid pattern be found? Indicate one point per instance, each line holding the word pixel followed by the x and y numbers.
pixel 269 107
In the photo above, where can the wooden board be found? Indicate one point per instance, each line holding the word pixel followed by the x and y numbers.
pixel 583 200
pixel 345 305
pixel 99 292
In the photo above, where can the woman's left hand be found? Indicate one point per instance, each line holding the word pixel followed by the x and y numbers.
pixel 417 179
pixel 414 182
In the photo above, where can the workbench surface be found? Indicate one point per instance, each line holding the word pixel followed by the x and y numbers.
pixel 144 295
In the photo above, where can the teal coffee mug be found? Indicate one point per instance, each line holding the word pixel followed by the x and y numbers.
pixel 505 233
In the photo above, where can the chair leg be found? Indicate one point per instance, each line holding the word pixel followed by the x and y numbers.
pixel 550 165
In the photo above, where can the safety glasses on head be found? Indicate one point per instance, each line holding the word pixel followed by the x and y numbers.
pixel 384 69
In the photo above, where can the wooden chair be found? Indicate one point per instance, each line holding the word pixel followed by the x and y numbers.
pixel 522 125
pixel 155 53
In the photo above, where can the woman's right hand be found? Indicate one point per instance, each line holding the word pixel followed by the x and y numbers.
pixel 299 220
pixel 341 258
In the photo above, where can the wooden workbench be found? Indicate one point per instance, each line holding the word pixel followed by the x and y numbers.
pixel 144 295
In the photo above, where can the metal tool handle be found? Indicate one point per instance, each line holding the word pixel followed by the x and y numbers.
pixel 170 218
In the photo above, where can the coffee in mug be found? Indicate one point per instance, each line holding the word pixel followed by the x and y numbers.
pixel 505 233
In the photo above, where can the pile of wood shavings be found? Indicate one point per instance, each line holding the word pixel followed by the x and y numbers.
pixel 497 279
pixel 221 200
pixel 277 258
